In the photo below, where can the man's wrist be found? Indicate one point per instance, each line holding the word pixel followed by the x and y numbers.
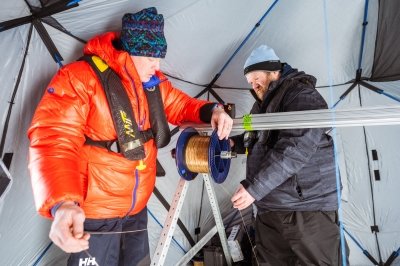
pixel 54 209
pixel 218 106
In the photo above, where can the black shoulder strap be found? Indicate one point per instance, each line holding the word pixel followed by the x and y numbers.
pixel 129 137
pixel 158 119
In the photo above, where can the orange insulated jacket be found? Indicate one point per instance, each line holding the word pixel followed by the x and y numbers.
pixel 62 167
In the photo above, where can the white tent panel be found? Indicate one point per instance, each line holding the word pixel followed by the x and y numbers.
pixel 10 67
pixel 12 9
pixel 384 139
pixel 204 35
pixel 305 42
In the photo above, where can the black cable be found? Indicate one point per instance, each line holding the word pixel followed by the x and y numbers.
pixel 186 81
pixel 215 86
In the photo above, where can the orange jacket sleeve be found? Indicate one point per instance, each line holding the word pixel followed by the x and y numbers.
pixel 56 135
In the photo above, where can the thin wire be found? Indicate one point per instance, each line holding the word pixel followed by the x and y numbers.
pixel 114 232
pixel 90 256
pixel 253 247
pixel 108 233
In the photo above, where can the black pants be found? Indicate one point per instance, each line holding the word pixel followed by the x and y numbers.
pixel 298 238
pixel 115 249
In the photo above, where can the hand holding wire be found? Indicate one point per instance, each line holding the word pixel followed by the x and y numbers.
pixel 242 199
pixel 67 228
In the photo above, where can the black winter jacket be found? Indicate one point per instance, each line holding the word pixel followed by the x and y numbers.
pixel 291 169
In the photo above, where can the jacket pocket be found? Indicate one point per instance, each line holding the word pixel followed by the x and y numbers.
pixel 297 187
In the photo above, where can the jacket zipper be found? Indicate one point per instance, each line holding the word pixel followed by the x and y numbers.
pixel 134 192
pixel 140 124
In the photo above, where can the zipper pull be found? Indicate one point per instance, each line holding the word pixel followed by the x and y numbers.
pixel 141 165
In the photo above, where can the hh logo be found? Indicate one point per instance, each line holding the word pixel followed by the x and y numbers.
pixel 87 261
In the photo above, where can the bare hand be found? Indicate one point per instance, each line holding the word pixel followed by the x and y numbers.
pixel 222 121
pixel 67 228
pixel 242 199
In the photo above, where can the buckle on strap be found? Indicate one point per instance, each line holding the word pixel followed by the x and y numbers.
pixel 145 136
pixel 131 145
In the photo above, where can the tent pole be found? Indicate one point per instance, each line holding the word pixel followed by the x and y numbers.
pixel 392 257
pixel 42 13
pixel 366 253
pixel 344 94
pixel 379 91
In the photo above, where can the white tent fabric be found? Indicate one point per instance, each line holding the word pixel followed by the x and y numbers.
pixel 323 38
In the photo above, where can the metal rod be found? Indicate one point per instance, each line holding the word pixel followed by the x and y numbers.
pixel 369 116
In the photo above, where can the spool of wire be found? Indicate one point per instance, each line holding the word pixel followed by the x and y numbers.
pixel 202 154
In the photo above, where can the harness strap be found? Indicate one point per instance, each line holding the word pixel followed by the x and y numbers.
pixel 144 137
pixel 128 132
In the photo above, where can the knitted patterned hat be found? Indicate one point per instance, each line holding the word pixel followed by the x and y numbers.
pixel 142 33
pixel 262 58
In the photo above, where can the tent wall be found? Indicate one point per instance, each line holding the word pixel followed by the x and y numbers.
pixel 323 38
pixel 387 52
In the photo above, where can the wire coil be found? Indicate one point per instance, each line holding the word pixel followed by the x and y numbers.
pixel 196 154
pixel 202 154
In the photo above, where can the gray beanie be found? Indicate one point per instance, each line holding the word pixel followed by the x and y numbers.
pixel 262 58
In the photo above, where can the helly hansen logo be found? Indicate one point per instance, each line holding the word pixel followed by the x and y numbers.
pixel 87 261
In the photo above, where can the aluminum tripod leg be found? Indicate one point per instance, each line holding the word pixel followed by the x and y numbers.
pixel 196 248
pixel 172 219
pixel 217 217
pixel 170 224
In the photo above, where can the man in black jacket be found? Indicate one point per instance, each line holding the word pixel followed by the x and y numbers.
pixel 290 173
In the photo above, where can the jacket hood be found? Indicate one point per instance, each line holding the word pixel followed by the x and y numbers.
pixel 292 73
pixel 103 47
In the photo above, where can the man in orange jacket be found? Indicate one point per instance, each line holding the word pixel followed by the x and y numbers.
pixel 87 188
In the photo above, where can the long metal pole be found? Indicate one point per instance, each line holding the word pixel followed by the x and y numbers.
pixel 370 116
